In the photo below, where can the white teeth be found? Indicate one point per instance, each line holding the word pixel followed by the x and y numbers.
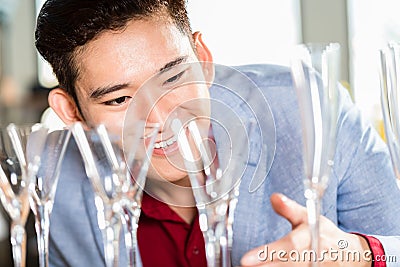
pixel 164 144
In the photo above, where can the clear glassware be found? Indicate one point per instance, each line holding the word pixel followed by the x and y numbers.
pixel 315 69
pixel 14 182
pixel 389 71
pixel 45 153
pixel 138 157
pixel 215 170
pixel 117 171
pixel 15 173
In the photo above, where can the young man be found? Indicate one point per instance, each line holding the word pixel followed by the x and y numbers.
pixel 102 51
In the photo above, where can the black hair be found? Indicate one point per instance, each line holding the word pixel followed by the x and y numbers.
pixel 65 26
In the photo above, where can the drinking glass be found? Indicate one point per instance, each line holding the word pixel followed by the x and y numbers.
pixel 389 69
pixel 315 76
pixel 14 181
pixel 138 149
pixel 24 155
pixel 45 153
pixel 117 171
pixel 215 169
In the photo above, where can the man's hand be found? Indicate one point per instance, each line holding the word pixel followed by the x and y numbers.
pixel 299 240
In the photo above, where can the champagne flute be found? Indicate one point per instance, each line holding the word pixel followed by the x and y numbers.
pixel 117 171
pixel 45 152
pixel 389 69
pixel 315 76
pixel 95 146
pixel 14 182
pixel 215 173
pixel 138 158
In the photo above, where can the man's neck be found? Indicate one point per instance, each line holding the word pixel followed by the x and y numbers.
pixel 179 198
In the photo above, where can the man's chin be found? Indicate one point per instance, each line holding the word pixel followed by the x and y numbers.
pixel 174 180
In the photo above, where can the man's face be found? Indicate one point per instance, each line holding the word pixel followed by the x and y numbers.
pixel 115 65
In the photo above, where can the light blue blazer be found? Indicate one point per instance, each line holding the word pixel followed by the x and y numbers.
pixel 362 195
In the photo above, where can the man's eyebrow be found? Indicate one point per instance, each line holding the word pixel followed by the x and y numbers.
pixel 101 91
pixel 175 62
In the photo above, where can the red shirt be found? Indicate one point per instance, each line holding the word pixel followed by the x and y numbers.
pixel 165 239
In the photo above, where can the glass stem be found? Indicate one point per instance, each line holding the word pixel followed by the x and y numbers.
pixel 211 249
pixel 313 210
pixel 42 232
pixel 217 250
pixel 217 234
pixel 131 224
pixel 224 250
pixel 18 242
pixel 111 242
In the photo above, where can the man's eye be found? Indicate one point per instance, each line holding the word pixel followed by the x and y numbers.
pixel 174 78
pixel 118 101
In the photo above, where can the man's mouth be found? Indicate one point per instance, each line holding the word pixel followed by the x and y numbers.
pixel 166 143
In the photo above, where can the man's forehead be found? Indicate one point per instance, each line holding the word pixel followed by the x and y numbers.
pixel 132 55
pixel 139 41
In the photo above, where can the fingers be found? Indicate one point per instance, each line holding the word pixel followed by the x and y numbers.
pixel 291 249
pixel 289 209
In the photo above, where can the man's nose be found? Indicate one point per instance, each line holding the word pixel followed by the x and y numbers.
pixel 163 114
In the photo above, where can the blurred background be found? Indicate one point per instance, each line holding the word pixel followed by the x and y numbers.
pixel 237 32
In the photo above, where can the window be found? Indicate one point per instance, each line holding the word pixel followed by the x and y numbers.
pixel 243 32
pixel 372 24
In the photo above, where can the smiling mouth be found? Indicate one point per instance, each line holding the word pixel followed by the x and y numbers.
pixel 166 143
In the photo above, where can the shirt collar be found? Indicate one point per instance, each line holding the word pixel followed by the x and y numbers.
pixel 156 209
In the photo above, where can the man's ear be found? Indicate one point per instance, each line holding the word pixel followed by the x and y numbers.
pixel 205 56
pixel 64 106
